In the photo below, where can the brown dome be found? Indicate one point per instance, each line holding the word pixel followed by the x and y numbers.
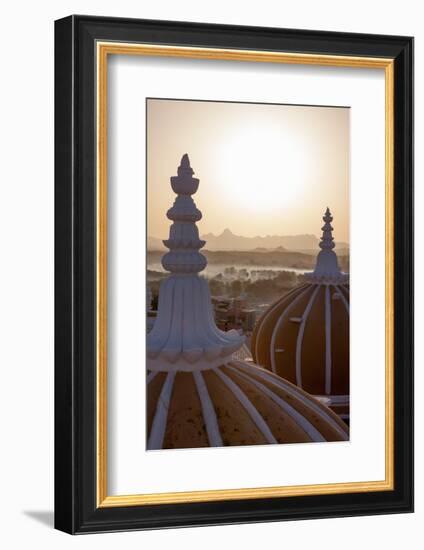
pixel 304 337
pixel 234 404
pixel 198 394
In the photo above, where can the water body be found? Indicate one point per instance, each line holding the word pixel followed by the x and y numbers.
pixel 257 271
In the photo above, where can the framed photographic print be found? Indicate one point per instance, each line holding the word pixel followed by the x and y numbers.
pixel 234 274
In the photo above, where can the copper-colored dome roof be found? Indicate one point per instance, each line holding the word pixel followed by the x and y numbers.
pixel 198 394
pixel 234 404
pixel 304 337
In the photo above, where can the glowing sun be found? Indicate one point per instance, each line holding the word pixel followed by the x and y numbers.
pixel 262 167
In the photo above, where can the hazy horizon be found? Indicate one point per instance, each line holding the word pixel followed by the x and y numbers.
pixel 228 241
pixel 264 170
pixel 317 236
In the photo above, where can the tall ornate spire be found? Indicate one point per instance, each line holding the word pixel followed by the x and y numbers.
pixel 327 241
pixel 185 336
pixel 327 266
pixel 184 243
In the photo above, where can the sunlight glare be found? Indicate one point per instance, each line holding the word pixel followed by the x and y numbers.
pixel 262 167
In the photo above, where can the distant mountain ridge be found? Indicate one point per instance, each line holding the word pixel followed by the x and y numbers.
pixel 227 240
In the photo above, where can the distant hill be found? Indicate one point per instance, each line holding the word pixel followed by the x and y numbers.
pixel 227 240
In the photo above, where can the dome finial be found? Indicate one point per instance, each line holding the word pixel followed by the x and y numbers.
pixel 327 241
pixel 185 161
pixel 184 336
pixel 184 167
pixel 327 267
pixel 183 242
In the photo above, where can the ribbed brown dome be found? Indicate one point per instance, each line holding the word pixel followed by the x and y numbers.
pixel 304 338
pixel 235 404
pixel 198 394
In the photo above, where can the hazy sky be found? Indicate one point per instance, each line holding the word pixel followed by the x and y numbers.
pixel 263 169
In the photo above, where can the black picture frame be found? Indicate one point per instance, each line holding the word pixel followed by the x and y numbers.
pixel 76 510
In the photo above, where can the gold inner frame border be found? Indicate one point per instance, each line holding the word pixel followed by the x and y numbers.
pixel 103 50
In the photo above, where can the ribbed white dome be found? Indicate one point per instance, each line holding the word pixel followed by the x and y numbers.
pixel 304 336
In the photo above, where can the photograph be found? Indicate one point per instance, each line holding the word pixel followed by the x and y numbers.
pixel 247 294
pixel 233 272
pixel 208 311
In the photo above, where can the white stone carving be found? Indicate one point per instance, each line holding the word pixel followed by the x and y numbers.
pixel 185 336
pixel 327 268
